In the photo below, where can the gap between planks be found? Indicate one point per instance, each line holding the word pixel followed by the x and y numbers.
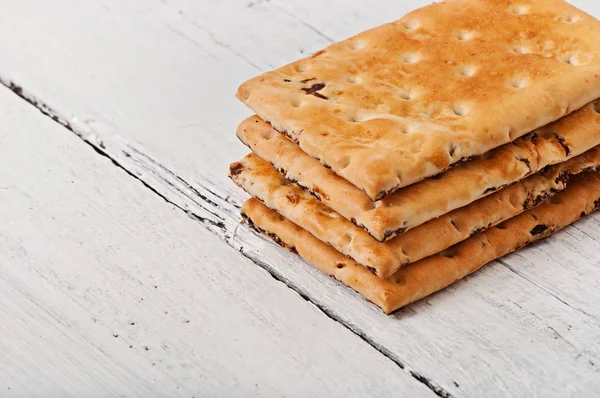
pixel 202 208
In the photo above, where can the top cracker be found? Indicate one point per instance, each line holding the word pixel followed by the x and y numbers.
pixel 404 101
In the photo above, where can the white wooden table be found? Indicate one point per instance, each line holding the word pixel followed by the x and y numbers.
pixel 122 273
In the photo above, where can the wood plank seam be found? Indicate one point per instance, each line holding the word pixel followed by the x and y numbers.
pixel 216 224
pixel 512 269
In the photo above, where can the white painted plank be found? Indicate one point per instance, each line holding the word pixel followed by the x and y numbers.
pixel 108 291
pixel 143 77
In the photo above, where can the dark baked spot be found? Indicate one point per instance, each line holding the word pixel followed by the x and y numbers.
pixel 533 201
pixel 308 80
pixel 285 80
pixel 477 230
pixel 539 229
pixel 293 198
pixel 388 234
pixel 563 177
pixel 373 270
pixel 527 162
pixel 284 132
pixel 452 150
pixel 353 221
pixel 314 90
pixel 327 210
pixel 448 254
pixel 340 266
pixel 563 143
pixel 320 193
pixel 274 237
pixel 236 169
pixel 495 189
pixel 582 214
pixel 312 193
pixel 463 160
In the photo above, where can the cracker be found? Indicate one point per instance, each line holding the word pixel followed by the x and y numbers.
pixel 404 101
pixel 260 179
pixel 420 279
pixel 421 202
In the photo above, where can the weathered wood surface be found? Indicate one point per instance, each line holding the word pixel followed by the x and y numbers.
pixel 150 84
pixel 106 290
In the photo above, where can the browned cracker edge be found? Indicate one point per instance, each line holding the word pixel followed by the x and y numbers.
pixel 434 273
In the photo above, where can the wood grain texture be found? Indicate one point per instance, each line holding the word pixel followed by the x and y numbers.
pixel 106 290
pixel 151 85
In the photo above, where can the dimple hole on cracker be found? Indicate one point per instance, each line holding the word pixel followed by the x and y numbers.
pixel 357 45
pixel 570 18
pixel 466 71
pixel 269 134
pixel 411 25
pixel 452 148
pixel 354 119
pixel 352 79
pixel 464 35
pixel 597 107
pixel 518 83
pixel 347 239
pixel 459 110
pixel 410 58
pixel 575 59
pixel 512 133
pixel 344 162
pixel 405 95
pixel 519 10
pixel 300 68
pixel 521 49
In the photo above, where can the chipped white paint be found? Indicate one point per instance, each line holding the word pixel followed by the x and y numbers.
pixel 151 84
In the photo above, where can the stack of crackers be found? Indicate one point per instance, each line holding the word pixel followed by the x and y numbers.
pixel 409 156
